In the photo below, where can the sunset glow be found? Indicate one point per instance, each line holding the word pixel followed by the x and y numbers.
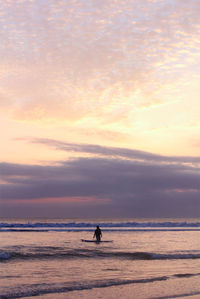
pixel 100 101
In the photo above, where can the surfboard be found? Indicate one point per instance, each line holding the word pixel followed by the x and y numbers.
pixel 95 241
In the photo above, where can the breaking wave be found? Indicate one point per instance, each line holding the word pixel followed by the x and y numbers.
pixel 83 226
pixel 61 253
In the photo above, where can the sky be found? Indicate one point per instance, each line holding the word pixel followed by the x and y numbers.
pixel 99 108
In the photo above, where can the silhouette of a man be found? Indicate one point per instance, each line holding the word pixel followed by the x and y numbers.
pixel 98 234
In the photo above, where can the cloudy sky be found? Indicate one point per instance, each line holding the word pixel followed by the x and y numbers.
pixel 99 108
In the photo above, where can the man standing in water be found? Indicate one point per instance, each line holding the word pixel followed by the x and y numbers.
pixel 98 234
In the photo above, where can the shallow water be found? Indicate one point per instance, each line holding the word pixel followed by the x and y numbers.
pixel 49 259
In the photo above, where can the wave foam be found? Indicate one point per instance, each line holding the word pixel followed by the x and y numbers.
pixel 103 225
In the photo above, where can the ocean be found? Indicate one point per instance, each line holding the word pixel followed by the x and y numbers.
pixel 45 258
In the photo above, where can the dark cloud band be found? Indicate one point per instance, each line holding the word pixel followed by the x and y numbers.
pixel 129 184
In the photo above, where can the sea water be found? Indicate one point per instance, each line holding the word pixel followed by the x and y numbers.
pixel 46 258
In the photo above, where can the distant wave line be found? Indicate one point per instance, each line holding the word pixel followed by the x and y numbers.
pixel 91 230
pixel 103 225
